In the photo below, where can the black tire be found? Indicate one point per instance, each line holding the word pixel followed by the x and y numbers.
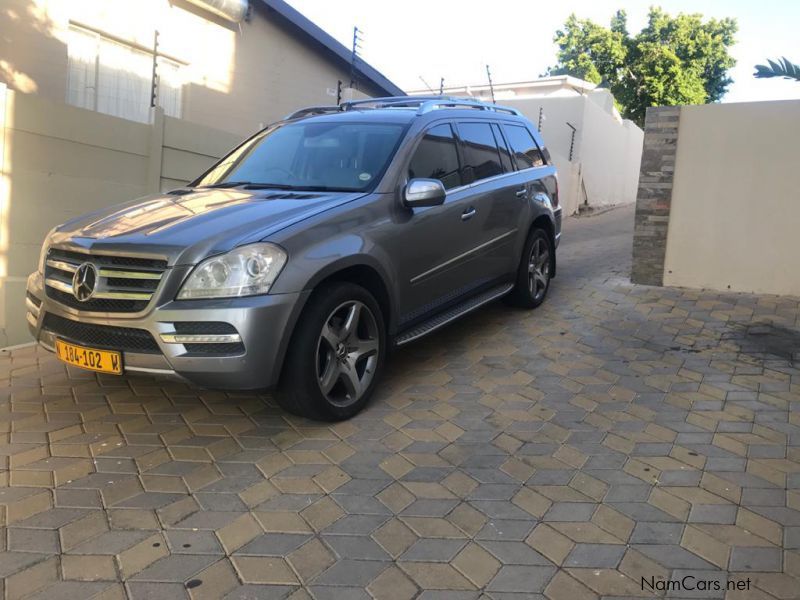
pixel 531 286
pixel 322 350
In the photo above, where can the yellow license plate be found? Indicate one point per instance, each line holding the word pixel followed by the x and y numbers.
pixel 103 361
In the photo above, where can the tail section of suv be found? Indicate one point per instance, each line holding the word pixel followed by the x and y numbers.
pixel 303 256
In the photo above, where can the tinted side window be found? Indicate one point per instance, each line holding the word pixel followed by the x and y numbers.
pixel 436 157
pixel 526 152
pixel 505 157
pixel 481 158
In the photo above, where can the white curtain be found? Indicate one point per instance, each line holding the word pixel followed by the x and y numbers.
pixel 82 70
pixel 124 75
pixel 170 87
pixel 115 78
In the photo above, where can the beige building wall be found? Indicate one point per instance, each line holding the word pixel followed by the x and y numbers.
pixel 58 162
pixel 735 208
pixel 236 77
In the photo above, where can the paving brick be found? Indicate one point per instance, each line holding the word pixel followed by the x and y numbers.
pixel 657 533
pixel 215 581
pixel 392 584
pixel 523 579
pixel 140 556
pixel 258 569
pixel 351 572
pixel 395 537
pixel 476 564
pixel 311 559
pixel 33 540
pixel 634 432
pixel 436 576
pixel 564 587
pixel 756 559
pixel 595 555
pixel 356 546
pixel 551 543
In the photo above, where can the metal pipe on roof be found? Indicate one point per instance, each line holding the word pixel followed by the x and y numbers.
pixel 230 10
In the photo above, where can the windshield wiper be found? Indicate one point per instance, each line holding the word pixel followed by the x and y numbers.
pixel 224 184
pixel 269 186
pixel 300 188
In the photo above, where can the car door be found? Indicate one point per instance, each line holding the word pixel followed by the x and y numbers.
pixel 488 170
pixel 433 245
pixel 529 161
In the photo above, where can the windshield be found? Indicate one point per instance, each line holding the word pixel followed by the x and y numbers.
pixel 337 156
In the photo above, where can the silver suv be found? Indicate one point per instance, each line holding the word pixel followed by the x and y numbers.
pixel 307 253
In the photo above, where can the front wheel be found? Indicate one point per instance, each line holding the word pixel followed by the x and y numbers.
pixel 335 356
pixel 533 275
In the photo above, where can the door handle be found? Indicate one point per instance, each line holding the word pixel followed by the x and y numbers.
pixel 521 193
pixel 468 213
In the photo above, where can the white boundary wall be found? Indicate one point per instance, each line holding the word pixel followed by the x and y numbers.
pixel 606 152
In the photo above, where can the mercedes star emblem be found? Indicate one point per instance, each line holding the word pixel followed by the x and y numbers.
pixel 84 281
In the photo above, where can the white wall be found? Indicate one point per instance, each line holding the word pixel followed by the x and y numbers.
pixel 611 153
pixel 735 209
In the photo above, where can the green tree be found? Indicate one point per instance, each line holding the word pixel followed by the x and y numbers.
pixel 673 60
pixel 783 68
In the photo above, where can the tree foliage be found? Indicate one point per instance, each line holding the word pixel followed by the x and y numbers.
pixel 673 60
pixel 782 68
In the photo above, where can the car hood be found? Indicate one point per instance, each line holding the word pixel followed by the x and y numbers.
pixel 187 226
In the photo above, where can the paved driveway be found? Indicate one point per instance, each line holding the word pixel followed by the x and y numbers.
pixel 617 433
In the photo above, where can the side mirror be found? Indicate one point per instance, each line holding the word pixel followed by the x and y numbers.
pixel 424 192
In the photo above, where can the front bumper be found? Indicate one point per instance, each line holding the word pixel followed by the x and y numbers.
pixel 264 324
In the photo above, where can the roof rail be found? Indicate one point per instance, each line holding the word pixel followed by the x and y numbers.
pixel 423 104
pixel 434 104
pixel 392 100
pixel 313 110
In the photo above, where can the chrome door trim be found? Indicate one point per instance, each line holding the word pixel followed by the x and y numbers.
pixel 461 256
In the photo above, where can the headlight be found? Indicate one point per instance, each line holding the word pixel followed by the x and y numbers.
pixel 244 271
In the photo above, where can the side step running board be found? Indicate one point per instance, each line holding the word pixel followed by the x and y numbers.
pixel 453 313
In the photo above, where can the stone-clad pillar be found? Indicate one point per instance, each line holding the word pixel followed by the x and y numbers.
pixel 655 194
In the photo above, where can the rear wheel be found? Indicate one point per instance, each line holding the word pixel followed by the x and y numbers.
pixel 533 275
pixel 335 356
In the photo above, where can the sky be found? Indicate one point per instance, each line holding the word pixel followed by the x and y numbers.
pixel 412 40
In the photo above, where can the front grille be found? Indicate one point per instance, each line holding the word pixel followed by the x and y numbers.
pixel 118 306
pixel 36 302
pixel 124 283
pixel 106 260
pixel 125 339
pixel 214 349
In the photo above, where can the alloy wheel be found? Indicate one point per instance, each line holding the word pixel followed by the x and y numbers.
pixel 347 353
pixel 538 269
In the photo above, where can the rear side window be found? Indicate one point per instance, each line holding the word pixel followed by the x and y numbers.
pixel 481 157
pixel 526 152
pixel 436 157
pixel 505 156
